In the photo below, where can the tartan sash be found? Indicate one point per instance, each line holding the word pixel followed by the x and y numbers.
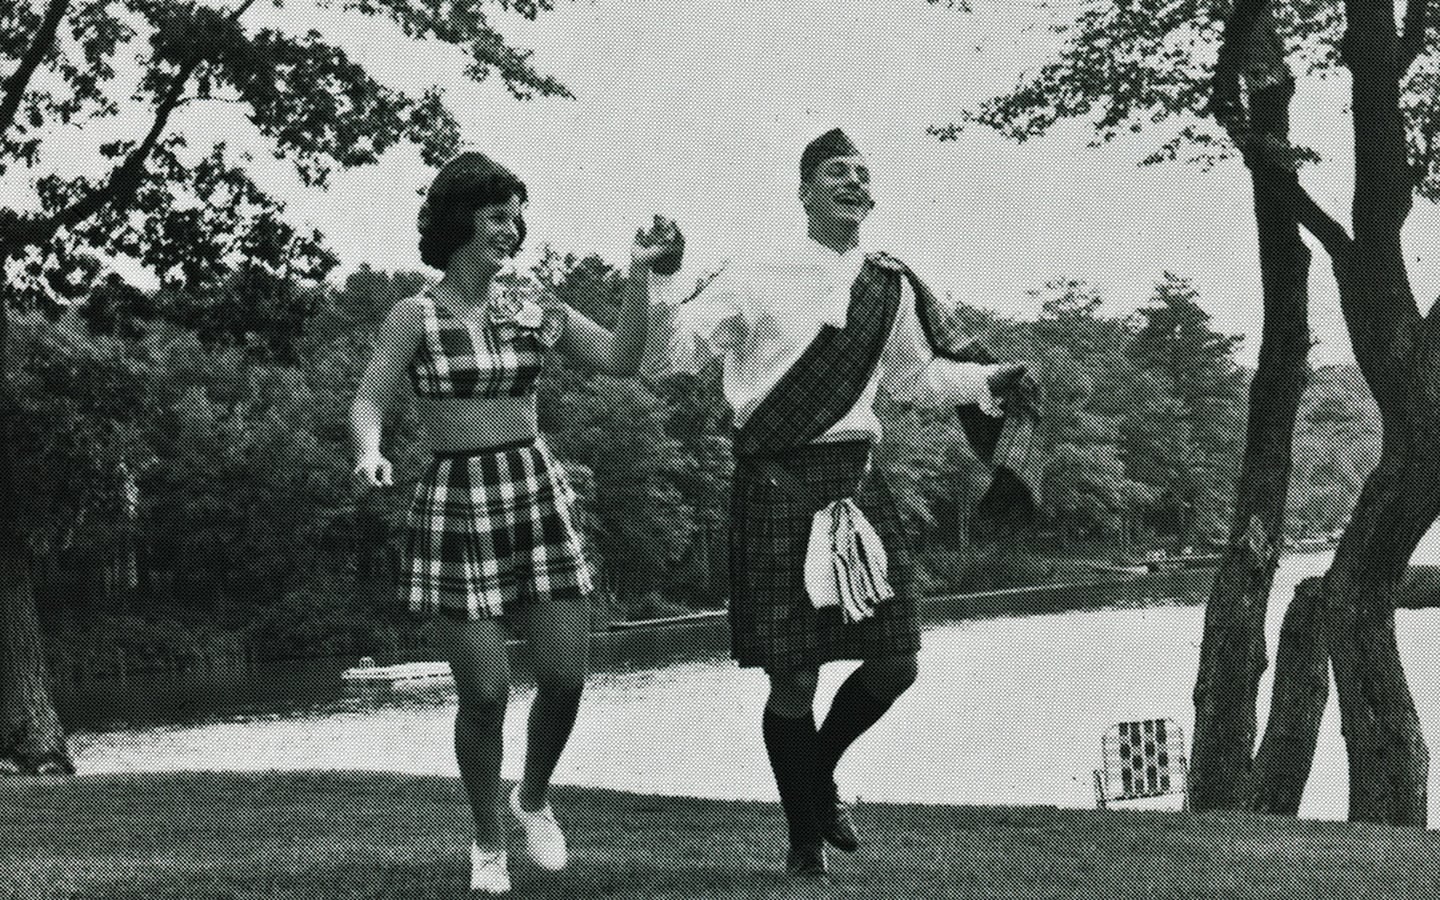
pixel 829 377
pixel 827 380
pixel 1009 444
pixel 940 331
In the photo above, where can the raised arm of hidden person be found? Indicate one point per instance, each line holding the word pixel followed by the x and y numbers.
pixel 692 324
pixel 914 374
pixel 395 345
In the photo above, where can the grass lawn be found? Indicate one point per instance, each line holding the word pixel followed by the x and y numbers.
pixel 328 835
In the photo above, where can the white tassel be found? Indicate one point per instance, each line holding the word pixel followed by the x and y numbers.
pixel 845 562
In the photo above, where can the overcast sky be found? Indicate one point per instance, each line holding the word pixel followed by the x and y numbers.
pixel 700 110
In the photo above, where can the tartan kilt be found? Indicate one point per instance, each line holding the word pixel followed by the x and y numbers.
pixel 772 622
pixel 491 529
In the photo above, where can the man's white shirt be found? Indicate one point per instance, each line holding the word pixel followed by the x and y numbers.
pixel 760 314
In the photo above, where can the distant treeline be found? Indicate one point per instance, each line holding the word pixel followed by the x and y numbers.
pixel 188 459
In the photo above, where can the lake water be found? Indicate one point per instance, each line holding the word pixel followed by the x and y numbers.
pixel 1006 711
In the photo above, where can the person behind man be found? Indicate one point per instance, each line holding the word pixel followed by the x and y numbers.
pixel 806 338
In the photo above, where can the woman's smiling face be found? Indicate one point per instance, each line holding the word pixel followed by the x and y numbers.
pixel 497 232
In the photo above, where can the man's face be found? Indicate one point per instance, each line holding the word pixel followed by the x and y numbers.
pixel 838 191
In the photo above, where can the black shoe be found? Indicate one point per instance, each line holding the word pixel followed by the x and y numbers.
pixel 806 861
pixel 835 823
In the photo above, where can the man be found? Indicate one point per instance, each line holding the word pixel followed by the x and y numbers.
pixel 806 338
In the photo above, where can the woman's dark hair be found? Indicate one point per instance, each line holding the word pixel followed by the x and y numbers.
pixel 463 185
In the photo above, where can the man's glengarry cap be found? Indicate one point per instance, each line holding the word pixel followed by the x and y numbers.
pixel 830 144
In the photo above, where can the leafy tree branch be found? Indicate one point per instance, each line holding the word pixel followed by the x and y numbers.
pixel 43 43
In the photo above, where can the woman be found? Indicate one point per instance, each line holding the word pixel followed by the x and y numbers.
pixel 489 535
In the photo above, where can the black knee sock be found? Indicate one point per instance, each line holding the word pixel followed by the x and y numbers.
pixel 790 744
pixel 853 711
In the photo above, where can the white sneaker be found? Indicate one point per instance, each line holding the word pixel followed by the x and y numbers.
pixel 489 871
pixel 544 841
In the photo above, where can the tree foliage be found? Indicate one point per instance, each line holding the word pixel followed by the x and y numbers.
pixel 187 212
pixel 1337 445
pixel 1220 83
pixel 249 533
pixel 103 175
pixel 1154 66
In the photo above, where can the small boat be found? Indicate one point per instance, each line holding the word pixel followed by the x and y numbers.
pixel 367 675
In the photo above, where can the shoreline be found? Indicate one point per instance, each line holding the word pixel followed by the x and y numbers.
pixel 1107 579
pixel 1068 574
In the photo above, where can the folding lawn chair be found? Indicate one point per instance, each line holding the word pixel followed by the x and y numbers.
pixel 1141 759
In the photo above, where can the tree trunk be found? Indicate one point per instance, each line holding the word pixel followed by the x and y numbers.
pixel 31 740
pixel 1232 650
pixel 1396 350
pixel 1389 761
pixel 1302 687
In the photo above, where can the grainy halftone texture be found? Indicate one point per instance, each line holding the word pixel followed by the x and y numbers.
pixel 463 358
pixel 828 378
pixel 347 835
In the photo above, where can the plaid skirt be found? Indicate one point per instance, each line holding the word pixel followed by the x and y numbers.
pixel 772 622
pixel 489 529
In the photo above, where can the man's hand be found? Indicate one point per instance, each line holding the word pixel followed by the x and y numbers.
pixel 374 470
pixel 661 247
pixel 1009 377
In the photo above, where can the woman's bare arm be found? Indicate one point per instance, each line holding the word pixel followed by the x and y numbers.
pixel 395 345
pixel 619 353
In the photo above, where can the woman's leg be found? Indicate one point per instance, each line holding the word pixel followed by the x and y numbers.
pixel 559 636
pixel 476 651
